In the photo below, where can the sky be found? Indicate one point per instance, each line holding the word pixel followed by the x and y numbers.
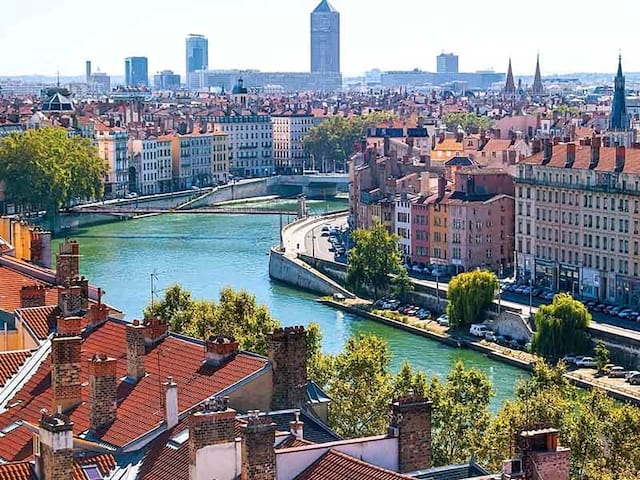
pixel 46 36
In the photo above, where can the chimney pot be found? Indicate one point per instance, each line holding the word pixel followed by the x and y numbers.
pixel 55 459
pixel 135 350
pixel 65 371
pixel 171 402
pixel 258 451
pixel 102 391
pixel 410 422
pixel 69 325
pixel 620 158
pixel 220 349
pixel 288 355
pixel 156 330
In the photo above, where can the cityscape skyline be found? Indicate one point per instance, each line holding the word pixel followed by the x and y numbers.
pixel 260 47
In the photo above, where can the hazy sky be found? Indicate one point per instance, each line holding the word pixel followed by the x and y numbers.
pixel 43 36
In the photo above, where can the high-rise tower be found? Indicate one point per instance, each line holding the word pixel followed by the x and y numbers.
pixel 537 88
pixel 325 39
pixel 197 55
pixel 136 72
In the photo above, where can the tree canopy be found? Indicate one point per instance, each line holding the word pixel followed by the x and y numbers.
pixel 470 122
pixel 561 327
pixel 373 258
pixel 46 169
pixel 469 295
pixel 236 314
pixel 333 140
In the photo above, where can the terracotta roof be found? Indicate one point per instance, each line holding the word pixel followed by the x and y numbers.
pixel 334 465
pixel 607 161
pixel 497 145
pixel 293 441
pixel 10 362
pixel 139 408
pixel 40 320
pixel 17 471
pixel 10 284
pixel 105 463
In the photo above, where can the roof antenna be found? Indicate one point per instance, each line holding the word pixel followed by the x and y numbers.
pixel 58 78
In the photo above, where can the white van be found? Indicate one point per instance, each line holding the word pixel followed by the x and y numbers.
pixel 479 330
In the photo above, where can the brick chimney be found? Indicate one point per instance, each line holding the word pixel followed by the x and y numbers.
pixel 135 350
pixel 442 185
pixel 170 402
pixel 102 391
pixel 70 326
pixel 258 451
pixel 155 329
pixel 212 425
pixel 97 315
pixel 547 151
pixel 296 427
pixel 67 261
pixel 541 456
pixel 620 158
pixel 32 296
pixel 54 458
pixel 65 371
pixel 410 423
pixel 83 284
pixel 70 301
pixel 536 146
pixel 571 155
pixel 220 349
pixel 288 355
pixel 386 144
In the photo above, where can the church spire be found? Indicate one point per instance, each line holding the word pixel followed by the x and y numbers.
pixel 537 87
pixel 510 85
pixel 619 120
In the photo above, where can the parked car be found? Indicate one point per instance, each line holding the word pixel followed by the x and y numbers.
pixel 479 330
pixel 615 310
pixel 630 374
pixel 569 359
pixel 617 372
pixel 424 314
pixel 586 362
pixel 624 314
pixel 536 292
pixel 635 380
pixel 490 336
pixel 443 320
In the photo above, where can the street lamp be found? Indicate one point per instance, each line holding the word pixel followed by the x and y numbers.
pixel 530 295
pixel 437 289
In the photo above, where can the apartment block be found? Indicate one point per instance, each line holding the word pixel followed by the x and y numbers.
pixel 577 220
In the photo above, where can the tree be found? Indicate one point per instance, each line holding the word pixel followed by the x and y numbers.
pixel 237 314
pixel 470 122
pixel 561 327
pixel 333 140
pixel 601 355
pixel 374 257
pixel 401 285
pixel 460 414
pixel 469 295
pixel 408 382
pixel 359 384
pixel 47 169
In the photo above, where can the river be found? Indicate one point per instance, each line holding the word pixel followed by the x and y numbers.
pixel 207 252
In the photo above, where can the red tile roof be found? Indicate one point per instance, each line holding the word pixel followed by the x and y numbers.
pixel 40 320
pixel 105 463
pixel 10 284
pixel 139 408
pixel 10 362
pixel 607 161
pixel 17 471
pixel 334 465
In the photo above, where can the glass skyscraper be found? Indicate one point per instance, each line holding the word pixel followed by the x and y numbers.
pixel 136 72
pixel 197 54
pixel 325 39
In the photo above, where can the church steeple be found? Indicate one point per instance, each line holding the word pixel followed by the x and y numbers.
pixel 510 85
pixel 537 88
pixel 619 120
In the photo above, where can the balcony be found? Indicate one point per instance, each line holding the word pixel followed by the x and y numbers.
pixel 578 187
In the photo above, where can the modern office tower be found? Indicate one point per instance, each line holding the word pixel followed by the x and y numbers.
pixel 447 63
pixel 166 80
pixel 136 72
pixel 88 71
pixel 325 39
pixel 197 55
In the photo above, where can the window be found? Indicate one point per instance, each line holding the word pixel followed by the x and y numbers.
pixel 92 472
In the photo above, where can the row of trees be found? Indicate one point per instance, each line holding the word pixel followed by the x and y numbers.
pixel 604 435
pixel 332 142
pixel 46 169
pixel 470 122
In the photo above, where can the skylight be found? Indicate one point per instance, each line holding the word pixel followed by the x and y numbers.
pixel 92 472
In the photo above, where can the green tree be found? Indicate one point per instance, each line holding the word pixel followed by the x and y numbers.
pixel 470 122
pixel 469 295
pixel 359 384
pixel 333 140
pixel 409 382
pixel 46 169
pixel 561 327
pixel 236 314
pixel 374 257
pixel 401 285
pixel 460 414
pixel 601 355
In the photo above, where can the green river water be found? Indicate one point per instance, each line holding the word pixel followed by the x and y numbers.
pixel 207 252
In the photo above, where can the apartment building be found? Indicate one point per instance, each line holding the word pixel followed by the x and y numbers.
pixel 144 159
pixel 113 148
pixel 402 223
pixel 289 129
pixel 577 220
